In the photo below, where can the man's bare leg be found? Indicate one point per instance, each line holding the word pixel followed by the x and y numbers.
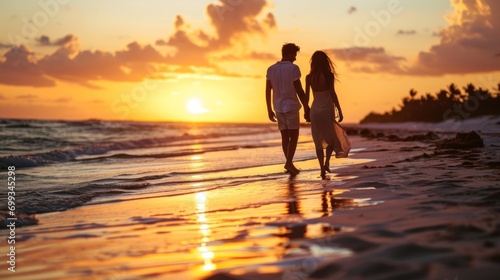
pixel 289 140
pixel 285 139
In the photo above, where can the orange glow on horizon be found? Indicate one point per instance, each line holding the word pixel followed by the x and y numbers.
pixel 211 67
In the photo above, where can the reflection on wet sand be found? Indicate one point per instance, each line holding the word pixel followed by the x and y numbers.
pixel 296 230
pixel 302 254
pixel 335 203
pixel 294 225
pixel 206 254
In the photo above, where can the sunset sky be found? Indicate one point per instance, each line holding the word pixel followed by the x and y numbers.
pixel 201 60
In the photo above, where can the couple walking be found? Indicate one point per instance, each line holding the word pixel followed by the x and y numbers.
pixel 283 86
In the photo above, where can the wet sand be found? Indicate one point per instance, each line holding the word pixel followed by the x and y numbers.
pixel 393 210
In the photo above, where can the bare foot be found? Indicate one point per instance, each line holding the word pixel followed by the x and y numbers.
pixel 323 175
pixel 290 168
pixel 327 168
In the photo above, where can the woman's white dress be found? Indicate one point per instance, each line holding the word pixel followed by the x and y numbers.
pixel 325 130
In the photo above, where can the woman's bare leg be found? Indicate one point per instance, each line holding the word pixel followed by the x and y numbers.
pixel 321 156
pixel 329 152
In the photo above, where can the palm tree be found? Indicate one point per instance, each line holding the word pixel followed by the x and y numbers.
pixel 470 89
pixel 442 95
pixel 434 105
pixel 455 93
pixel 414 92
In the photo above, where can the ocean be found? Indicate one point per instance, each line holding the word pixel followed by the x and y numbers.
pixel 184 199
pixel 65 164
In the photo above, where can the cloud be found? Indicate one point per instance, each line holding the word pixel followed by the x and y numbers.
pixel 44 40
pixel 82 67
pixel 234 23
pixel 188 51
pixel 352 10
pixel 270 21
pixel 468 44
pixel 138 53
pixel 369 59
pixel 20 68
pixel 232 20
pixel 406 32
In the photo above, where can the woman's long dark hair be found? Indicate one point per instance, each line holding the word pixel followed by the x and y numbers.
pixel 322 64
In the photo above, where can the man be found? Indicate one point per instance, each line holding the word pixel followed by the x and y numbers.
pixel 283 79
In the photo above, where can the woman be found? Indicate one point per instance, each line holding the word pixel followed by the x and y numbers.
pixel 326 132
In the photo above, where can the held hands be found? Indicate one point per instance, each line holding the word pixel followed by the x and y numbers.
pixel 272 116
pixel 307 116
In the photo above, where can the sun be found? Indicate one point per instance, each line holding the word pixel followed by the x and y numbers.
pixel 194 106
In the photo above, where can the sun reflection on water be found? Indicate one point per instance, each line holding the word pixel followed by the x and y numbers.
pixel 206 254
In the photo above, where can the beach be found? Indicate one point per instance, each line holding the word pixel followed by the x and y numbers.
pixel 140 140
pixel 213 202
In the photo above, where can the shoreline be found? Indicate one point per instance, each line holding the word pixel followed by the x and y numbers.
pixel 388 211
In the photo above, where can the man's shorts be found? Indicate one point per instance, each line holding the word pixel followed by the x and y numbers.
pixel 288 120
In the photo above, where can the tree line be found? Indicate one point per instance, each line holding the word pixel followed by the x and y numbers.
pixel 449 103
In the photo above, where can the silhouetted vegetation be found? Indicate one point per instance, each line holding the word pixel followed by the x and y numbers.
pixel 450 103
